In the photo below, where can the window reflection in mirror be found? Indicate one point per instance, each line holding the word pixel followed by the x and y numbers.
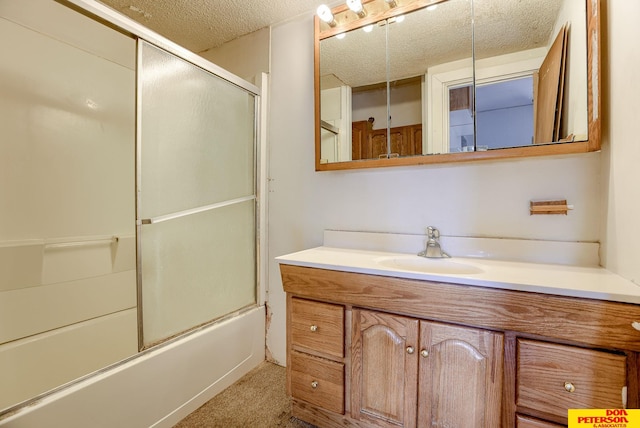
pixel 535 76
pixel 461 129
pixel 504 111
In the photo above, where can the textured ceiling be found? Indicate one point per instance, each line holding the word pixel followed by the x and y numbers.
pixel 431 37
pixel 199 25
pixel 424 39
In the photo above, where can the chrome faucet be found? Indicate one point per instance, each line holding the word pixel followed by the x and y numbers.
pixel 433 249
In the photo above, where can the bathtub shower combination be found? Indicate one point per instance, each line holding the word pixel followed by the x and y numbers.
pixel 129 196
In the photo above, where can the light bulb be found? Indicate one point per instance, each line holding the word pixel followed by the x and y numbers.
pixel 324 13
pixel 355 5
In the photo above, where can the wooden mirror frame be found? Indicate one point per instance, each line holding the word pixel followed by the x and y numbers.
pixel 594 100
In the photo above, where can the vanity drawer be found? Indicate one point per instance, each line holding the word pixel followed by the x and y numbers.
pixel 553 378
pixel 526 422
pixel 318 381
pixel 317 327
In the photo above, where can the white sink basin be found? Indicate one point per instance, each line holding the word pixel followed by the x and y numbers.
pixel 424 265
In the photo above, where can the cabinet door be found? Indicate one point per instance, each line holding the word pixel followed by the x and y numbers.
pixel 359 136
pixel 399 141
pixel 415 137
pixel 377 144
pixel 407 140
pixel 460 382
pixel 384 369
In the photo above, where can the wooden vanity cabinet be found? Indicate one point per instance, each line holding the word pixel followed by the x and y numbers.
pixel 408 353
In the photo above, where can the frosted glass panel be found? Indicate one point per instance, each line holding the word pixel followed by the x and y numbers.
pixel 197 268
pixel 196 196
pixel 197 136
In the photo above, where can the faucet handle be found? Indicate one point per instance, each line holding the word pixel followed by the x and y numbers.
pixel 433 233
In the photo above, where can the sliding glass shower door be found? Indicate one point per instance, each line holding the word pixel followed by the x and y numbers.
pixel 196 191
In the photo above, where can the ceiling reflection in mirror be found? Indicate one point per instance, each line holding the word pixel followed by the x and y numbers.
pixel 406 88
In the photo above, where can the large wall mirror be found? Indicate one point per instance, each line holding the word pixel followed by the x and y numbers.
pixel 416 82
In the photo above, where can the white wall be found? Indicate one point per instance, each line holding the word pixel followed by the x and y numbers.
pixel 481 199
pixel 253 61
pixel 621 150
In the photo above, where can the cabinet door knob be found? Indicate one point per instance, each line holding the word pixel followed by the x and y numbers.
pixel 568 386
pixel 424 353
pixel 314 328
pixel 314 384
pixel 410 349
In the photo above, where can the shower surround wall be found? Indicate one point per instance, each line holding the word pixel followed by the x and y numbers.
pixel 67 234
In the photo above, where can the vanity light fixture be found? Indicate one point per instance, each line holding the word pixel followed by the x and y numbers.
pixel 356 6
pixel 391 3
pixel 324 13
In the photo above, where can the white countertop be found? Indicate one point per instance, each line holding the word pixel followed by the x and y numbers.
pixel 575 281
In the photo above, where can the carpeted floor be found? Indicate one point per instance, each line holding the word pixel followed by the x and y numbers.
pixel 258 400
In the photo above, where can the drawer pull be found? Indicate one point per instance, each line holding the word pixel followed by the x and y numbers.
pixel 313 328
pixel 410 350
pixel 424 353
pixel 568 386
pixel 314 384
